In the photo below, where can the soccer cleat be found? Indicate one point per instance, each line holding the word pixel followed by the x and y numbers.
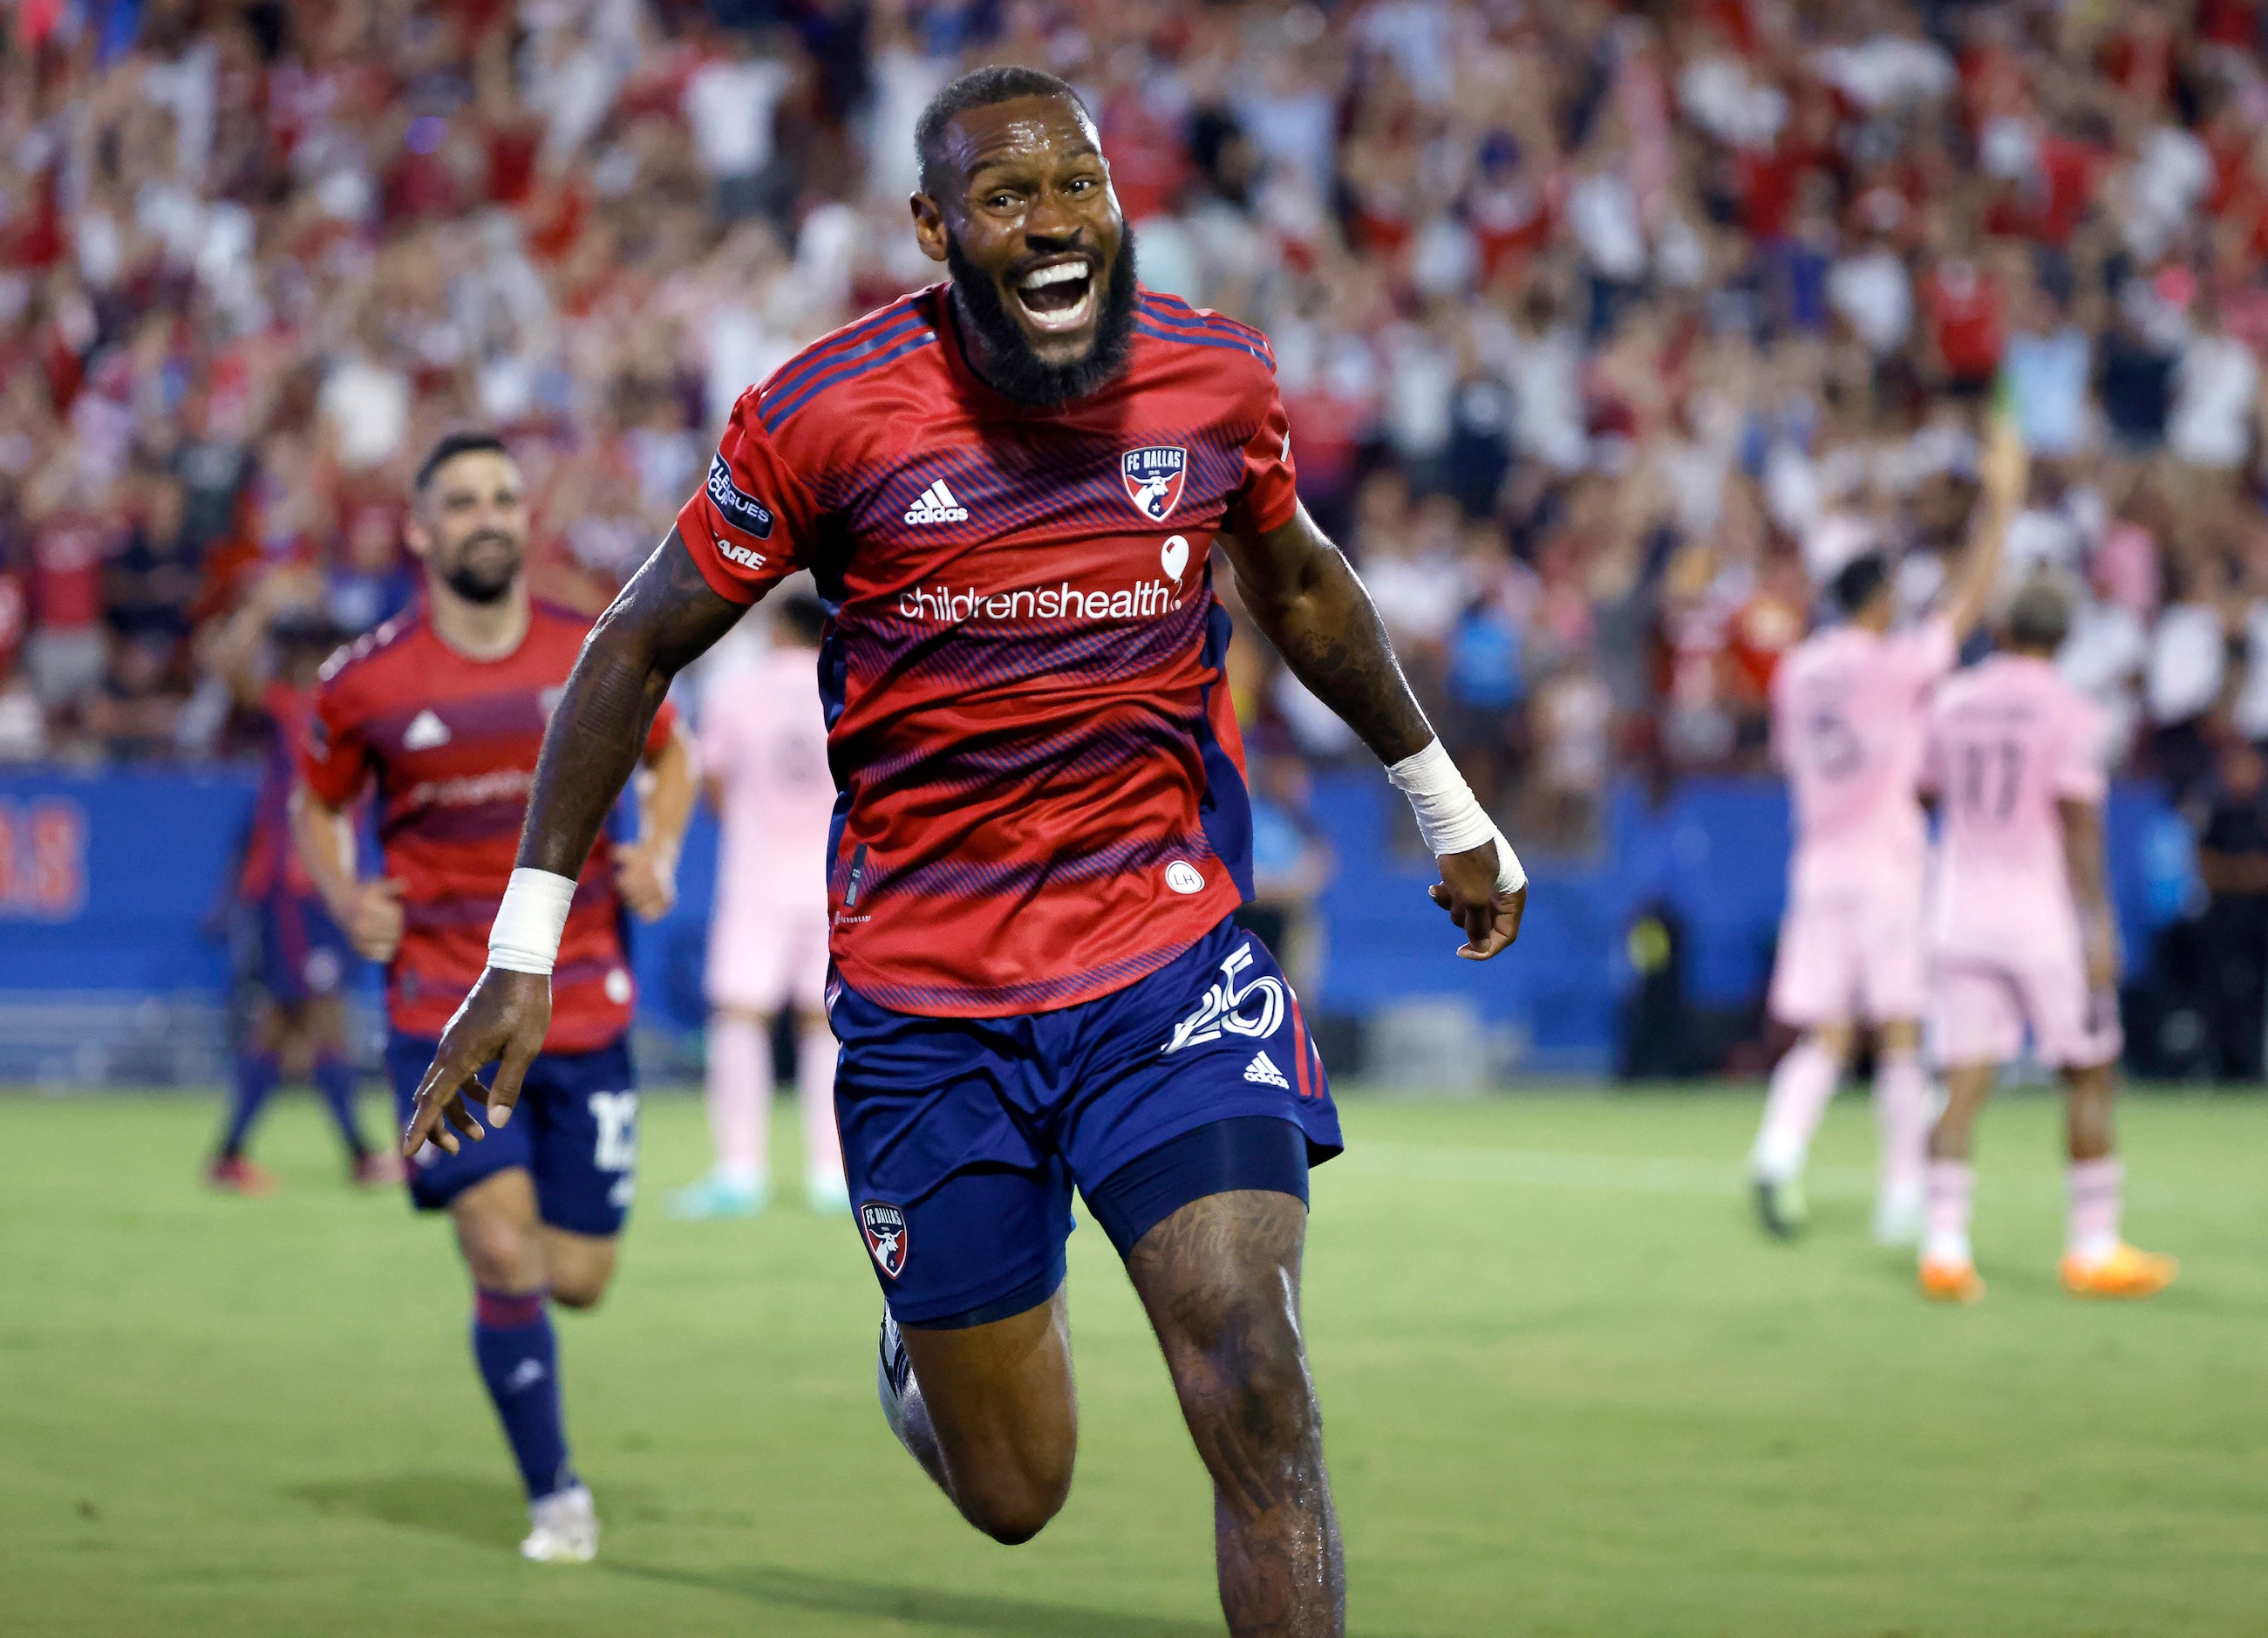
pixel 2123 1272
pixel 828 1193
pixel 1900 1213
pixel 718 1196
pixel 564 1528
pixel 376 1170
pixel 893 1366
pixel 236 1174
pixel 1781 1207
pixel 1943 1281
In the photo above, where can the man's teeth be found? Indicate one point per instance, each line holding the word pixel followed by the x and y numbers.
pixel 1061 273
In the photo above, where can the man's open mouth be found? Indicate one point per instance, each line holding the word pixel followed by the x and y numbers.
pixel 1058 296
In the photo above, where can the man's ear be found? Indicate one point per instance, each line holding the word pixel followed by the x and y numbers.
pixel 420 541
pixel 929 226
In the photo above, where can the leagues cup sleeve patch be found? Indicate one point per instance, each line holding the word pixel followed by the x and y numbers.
pixel 743 510
pixel 885 1229
pixel 1154 477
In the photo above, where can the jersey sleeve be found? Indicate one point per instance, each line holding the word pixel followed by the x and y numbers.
pixel 334 763
pixel 1268 493
pixel 1932 650
pixel 750 525
pixel 665 723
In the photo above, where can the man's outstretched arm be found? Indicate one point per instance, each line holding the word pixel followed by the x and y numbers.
pixel 664 619
pixel 1302 591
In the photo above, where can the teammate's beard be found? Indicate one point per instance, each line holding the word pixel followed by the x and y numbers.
pixel 1012 367
pixel 481 584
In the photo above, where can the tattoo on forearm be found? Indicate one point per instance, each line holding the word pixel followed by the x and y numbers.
pixel 664 618
pixel 1331 637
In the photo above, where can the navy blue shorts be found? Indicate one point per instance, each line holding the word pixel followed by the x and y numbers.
pixel 574 1131
pixel 963 1137
pixel 303 953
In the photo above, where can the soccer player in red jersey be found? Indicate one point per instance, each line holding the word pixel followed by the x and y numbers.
pixel 443 711
pixel 269 654
pixel 1008 488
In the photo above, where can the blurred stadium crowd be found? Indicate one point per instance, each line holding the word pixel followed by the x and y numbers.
pixel 1608 332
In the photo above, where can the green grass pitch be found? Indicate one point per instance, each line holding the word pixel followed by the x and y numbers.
pixel 1568 1390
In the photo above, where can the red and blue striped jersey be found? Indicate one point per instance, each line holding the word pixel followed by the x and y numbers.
pixel 451 743
pixel 271 864
pixel 1040 785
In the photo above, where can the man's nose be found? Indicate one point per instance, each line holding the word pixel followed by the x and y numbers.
pixel 1052 219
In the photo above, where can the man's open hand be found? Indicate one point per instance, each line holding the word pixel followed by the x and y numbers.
pixel 1467 889
pixel 504 1018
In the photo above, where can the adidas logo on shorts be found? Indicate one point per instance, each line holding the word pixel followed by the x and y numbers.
pixel 937 506
pixel 1262 1070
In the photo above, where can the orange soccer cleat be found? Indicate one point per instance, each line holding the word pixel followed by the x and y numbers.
pixel 1946 1281
pixel 2122 1271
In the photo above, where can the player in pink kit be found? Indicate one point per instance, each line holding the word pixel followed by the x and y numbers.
pixel 763 757
pixel 2023 933
pixel 1848 713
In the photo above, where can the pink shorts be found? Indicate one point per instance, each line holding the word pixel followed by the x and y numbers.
pixel 1983 1003
pixel 766 956
pixel 1849 959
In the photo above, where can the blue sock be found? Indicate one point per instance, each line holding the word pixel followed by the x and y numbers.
pixel 256 1078
pixel 335 1079
pixel 519 1357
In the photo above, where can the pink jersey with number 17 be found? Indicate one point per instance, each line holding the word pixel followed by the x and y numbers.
pixel 1850 709
pixel 2008 741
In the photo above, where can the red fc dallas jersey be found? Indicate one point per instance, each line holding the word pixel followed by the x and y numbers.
pixel 1041 794
pixel 451 742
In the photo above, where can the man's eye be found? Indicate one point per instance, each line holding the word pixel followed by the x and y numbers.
pixel 1001 202
pixel 1082 185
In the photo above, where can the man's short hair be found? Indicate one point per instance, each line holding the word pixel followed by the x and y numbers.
pixel 979 88
pixel 449 448
pixel 1858 582
pixel 2039 615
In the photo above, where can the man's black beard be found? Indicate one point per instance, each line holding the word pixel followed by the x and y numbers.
pixel 480 585
pixel 1009 365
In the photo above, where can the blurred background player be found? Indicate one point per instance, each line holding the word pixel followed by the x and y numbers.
pixel 297 961
pixel 443 710
pixel 2023 933
pixel 1849 709
pixel 763 762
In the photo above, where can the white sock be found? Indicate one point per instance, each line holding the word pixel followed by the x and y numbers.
pixel 815 1081
pixel 2096 1190
pixel 740 1097
pixel 1801 1088
pixel 1902 1119
pixel 1951 1184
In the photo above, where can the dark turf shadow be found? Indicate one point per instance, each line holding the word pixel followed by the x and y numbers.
pixel 1007 1617
pixel 483 1512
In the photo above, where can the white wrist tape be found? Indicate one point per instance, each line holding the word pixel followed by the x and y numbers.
pixel 525 937
pixel 1448 816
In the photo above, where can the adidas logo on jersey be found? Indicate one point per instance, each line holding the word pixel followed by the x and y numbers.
pixel 937 506
pixel 1262 1070
pixel 425 731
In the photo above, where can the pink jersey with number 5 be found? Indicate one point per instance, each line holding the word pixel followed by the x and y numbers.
pixel 1850 709
pixel 2007 741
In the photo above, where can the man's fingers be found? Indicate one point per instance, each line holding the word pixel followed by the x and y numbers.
pixel 509 1071
pixel 458 1113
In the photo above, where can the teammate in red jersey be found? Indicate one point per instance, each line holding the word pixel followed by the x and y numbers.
pixel 443 711
pixel 298 961
pixel 1008 489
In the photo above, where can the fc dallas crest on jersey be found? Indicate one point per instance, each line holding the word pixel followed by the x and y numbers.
pixel 885 1229
pixel 1153 478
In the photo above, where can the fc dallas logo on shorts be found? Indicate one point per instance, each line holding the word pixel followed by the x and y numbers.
pixel 884 1228
pixel 1153 478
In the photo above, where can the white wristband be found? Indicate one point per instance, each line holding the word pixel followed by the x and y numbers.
pixel 525 937
pixel 1448 816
